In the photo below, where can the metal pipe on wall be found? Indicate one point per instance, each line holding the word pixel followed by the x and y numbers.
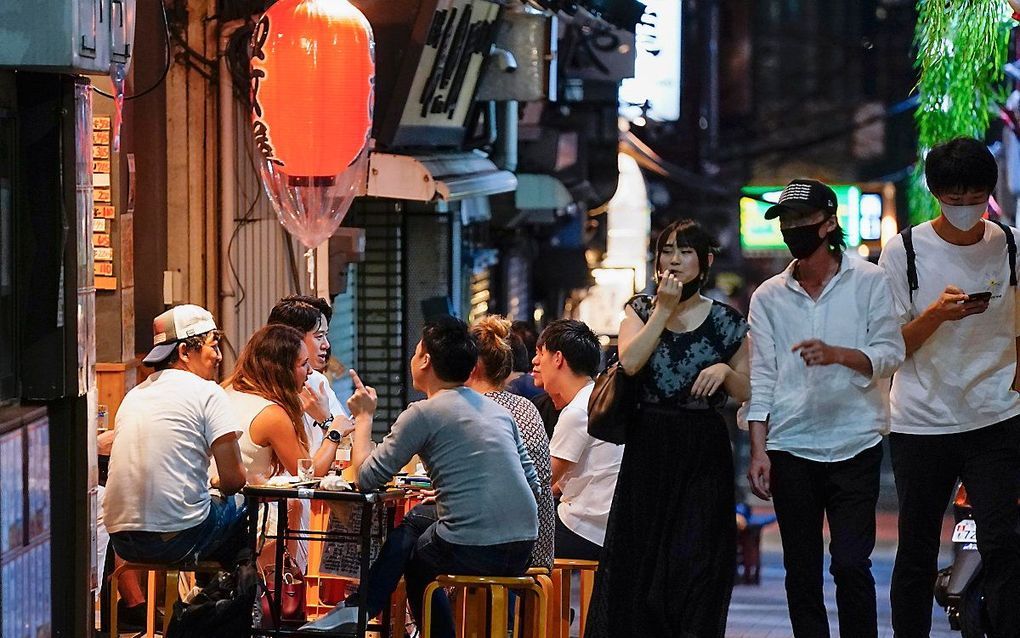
pixel 228 319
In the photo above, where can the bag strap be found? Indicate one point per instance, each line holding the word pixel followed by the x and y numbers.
pixel 908 246
pixel 1011 247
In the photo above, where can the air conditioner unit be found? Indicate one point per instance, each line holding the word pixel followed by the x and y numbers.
pixel 66 36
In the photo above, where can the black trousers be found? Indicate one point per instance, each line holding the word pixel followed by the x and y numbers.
pixel 844 492
pixel 570 545
pixel 926 467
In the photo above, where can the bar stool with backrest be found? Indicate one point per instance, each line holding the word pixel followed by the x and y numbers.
pixel 559 616
pixel 486 605
pixel 173 572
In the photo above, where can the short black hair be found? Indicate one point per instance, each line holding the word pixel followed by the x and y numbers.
pixel 528 333
pixel 578 343
pixel 451 347
pixel 301 312
pixel 522 362
pixel 962 164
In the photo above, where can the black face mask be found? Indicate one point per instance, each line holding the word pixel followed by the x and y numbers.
pixel 691 288
pixel 803 240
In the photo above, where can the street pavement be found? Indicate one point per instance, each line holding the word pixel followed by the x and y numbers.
pixel 760 611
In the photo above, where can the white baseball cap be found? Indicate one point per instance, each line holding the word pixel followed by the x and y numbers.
pixel 176 325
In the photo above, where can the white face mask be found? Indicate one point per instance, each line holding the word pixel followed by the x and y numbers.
pixel 963 217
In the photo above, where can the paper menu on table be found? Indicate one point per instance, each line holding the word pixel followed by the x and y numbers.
pixel 343 558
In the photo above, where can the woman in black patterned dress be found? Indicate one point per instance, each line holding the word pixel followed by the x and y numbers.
pixel 668 561
pixel 495 362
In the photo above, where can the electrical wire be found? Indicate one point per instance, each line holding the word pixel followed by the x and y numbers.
pixel 166 68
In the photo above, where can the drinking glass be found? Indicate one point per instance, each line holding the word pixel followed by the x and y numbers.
pixel 305 471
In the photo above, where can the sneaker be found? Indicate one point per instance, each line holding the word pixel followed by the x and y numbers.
pixel 341 619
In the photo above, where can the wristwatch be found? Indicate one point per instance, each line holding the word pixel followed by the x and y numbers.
pixel 334 435
pixel 324 424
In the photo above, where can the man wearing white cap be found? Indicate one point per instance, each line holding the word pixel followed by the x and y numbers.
pixel 158 504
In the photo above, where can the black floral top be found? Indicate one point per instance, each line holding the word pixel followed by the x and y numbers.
pixel 680 357
pixel 529 424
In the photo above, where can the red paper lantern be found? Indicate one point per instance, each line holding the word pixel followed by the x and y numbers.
pixel 313 72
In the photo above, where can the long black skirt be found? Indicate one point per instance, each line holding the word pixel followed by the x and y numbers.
pixel 669 557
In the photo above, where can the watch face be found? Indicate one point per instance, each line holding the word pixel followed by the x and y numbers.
pixel 334 436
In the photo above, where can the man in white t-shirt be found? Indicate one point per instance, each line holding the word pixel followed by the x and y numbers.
pixel 158 505
pixel 954 403
pixel 584 469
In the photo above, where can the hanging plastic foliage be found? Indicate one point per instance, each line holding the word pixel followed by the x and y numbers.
pixel 961 49
pixel 313 73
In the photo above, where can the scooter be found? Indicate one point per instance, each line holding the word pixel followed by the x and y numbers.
pixel 958 587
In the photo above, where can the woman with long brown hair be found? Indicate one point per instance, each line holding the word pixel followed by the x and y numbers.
pixel 265 389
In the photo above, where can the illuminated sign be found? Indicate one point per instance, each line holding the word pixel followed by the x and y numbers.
pixel 859 214
pixel 656 64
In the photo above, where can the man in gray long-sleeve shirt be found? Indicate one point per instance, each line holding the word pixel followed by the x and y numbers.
pixel 485 517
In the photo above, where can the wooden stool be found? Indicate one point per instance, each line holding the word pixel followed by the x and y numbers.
pixel 530 616
pixel 559 618
pixel 486 604
pixel 172 575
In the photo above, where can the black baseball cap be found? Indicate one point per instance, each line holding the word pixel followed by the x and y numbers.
pixel 804 196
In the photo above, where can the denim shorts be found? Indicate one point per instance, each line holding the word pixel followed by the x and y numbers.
pixel 219 537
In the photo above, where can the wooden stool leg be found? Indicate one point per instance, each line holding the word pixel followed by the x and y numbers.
pixel 150 605
pixel 565 590
pixel 500 609
pixel 540 604
pixel 114 601
pixel 544 616
pixel 476 606
pixel 426 619
pixel 522 616
pixel 172 594
pixel 587 586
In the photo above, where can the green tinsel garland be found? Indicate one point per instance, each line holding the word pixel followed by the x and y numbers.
pixel 961 48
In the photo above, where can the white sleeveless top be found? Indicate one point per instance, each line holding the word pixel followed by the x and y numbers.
pixel 256 458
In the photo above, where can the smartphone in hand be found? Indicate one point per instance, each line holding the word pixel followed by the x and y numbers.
pixel 980 296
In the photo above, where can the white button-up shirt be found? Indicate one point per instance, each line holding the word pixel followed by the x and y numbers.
pixel 823 413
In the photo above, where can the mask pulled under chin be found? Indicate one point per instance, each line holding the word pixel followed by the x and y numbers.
pixel 803 240
pixel 690 289
pixel 963 217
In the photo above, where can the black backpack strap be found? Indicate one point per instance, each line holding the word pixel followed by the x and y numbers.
pixel 908 246
pixel 1011 246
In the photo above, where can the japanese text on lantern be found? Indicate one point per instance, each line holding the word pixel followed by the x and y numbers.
pixel 258 73
pixel 102 223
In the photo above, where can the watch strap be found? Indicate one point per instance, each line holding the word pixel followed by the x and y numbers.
pixel 324 424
